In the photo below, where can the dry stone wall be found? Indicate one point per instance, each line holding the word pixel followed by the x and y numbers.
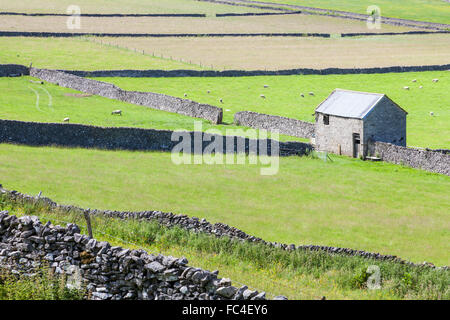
pixel 107 272
pixel 288 126
pixel 435 161
pixel 148 99
pixel 84 136
pixel 250 73
pixel 197 225
pixel 13 70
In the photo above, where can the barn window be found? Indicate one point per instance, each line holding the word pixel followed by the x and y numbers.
pixel 326 119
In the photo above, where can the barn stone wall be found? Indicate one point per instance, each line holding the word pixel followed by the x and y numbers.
pixel 288 126
pixel 148 99
pixel 337 136
pixel 385 123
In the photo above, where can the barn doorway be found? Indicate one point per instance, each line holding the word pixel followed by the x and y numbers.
pixel 356 145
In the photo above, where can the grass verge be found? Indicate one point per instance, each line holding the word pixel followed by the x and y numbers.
pixel 298 274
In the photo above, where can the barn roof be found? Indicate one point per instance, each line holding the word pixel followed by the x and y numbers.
pixel 350 104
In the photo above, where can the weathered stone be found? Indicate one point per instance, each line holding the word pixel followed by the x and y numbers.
pixel 227 292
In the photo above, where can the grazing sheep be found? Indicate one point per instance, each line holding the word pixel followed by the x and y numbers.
pixel 118 112
pixel 435 80
pixel 221 100
pixel 432 113
pixel 311 93
pixel 66 119
pixel 208 91
pixel 415 80
pixel 302 95
pixel 266 86
pixel 406 88
pixel 185 94
pixel 228 110
pixel 37 82
pixel 420 87
pixel 263 96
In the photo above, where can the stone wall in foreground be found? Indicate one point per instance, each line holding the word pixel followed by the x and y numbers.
pixel 197 225
pixel 107 272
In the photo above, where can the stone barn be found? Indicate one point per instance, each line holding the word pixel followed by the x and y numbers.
pixel 348 120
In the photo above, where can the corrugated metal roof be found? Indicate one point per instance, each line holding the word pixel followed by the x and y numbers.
pixel 349 104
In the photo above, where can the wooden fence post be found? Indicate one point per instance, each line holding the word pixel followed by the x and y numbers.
pixel 88 222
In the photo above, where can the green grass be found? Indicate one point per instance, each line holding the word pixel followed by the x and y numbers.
pixel 80 54
pixel 422 10
pixel 18 102
pixel 44 285
pixel 298 275
pixel 283 96
pixel 376 207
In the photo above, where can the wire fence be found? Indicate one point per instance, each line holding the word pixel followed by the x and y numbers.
pixel 153 54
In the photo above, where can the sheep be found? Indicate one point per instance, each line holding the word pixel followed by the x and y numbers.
pixel 221 100
pixel 185 95
pixel 228 110
pixel 302 95
pixel 208 91
pixel 118 112
pixel 311 93
pixel 66 119
pixel 37 82
pixel 266 86
pixel 431 113
pixel 415 80
pixel 420 87
pixel 435 80
pixel 406 88
pixel 263 96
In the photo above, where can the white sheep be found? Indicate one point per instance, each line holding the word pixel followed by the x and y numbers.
pixel 228 110
pixel 415 80
pixel 431 113
pixel 263 96
pixel 435 80
pixel 302 95
pixel 311 93
pixel 66 119
pixel 406 88
pixel 420 87
pixel 118 112
pixel 185 94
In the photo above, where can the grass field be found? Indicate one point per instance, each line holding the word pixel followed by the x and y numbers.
pixel 356 209
pixel 121 6
pixel 422 10
pixel 18 102
pixel 80 54
pixel 283 96
pixel 257 24
pixel 275 53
